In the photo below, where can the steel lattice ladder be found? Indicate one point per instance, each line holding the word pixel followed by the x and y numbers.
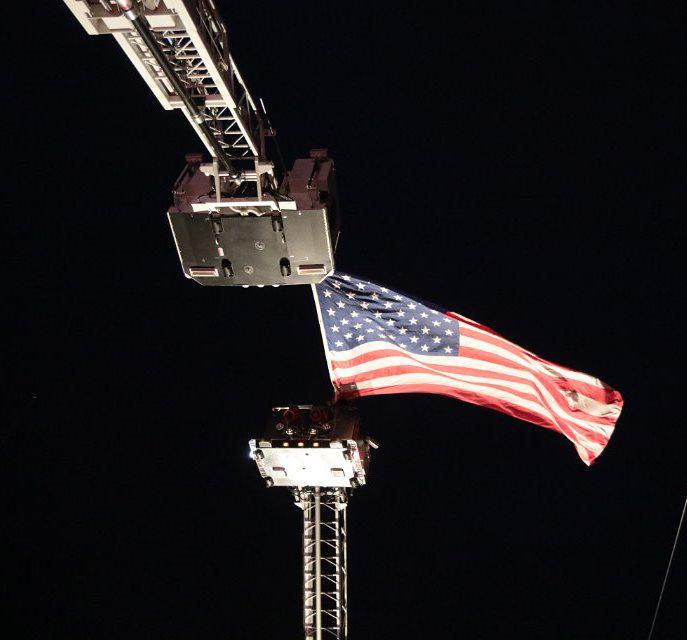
pixel 324 562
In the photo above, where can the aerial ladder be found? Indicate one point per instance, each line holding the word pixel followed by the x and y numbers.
pixel 321 455
pixel 236 219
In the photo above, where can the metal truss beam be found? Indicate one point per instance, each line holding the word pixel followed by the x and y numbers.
pixel 180 47
pixel 324 562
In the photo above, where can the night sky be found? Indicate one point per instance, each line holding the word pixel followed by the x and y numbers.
pixel 518 164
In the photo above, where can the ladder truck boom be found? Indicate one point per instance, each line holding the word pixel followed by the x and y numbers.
pixel 181 51
pixel 235 221
pixel 319 453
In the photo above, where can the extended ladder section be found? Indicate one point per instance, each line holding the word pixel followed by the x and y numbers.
pixel 319 454
pixel 180 48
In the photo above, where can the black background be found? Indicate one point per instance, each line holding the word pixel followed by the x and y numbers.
pixel 518 164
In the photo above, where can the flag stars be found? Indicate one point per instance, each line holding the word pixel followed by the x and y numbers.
pixel 367 313
pixel 346 278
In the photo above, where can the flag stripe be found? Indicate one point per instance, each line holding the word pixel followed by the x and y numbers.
pixel 523 382
pixel 525 391
pixel 479 332
pixel 496 362
pixel 475 357
pixel 510 352
pixel 587 456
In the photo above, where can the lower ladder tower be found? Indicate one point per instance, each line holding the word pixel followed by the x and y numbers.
pixel 320 455
pixel 324 562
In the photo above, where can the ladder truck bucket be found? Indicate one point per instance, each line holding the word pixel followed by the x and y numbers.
pixel 226 236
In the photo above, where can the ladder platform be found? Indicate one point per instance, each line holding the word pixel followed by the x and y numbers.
pixel 311 446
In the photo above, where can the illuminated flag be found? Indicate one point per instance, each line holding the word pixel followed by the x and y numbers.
pixel 379 341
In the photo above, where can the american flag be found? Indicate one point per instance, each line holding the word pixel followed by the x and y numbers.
pixel 379 341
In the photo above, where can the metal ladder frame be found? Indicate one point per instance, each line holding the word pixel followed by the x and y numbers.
pixel 325 569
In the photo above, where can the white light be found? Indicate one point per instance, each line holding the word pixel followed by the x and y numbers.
pixel 203 272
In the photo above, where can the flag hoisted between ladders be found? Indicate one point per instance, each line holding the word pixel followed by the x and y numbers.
pixel 378 341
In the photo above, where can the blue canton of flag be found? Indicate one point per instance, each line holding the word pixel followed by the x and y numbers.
pixel 355 312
